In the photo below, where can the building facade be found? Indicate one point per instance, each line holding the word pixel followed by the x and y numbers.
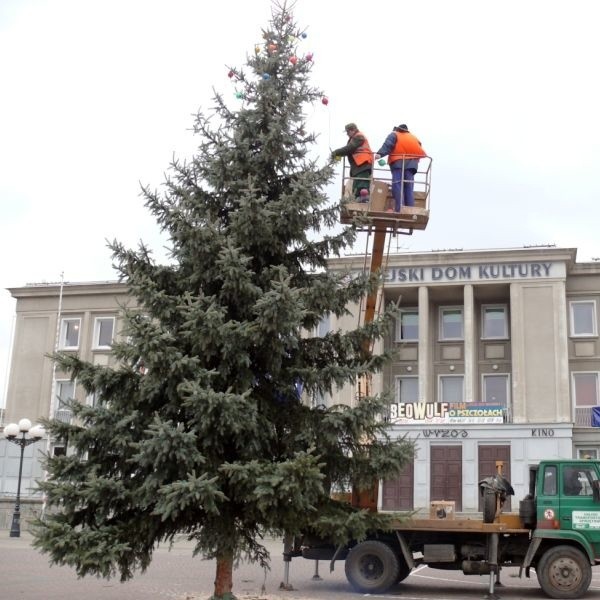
pixel 81 318
pixel 497 357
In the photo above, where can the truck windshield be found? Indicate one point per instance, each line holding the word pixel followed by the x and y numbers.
pixel 577 481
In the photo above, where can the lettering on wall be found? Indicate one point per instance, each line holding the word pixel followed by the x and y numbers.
pixel 479 272
pixel 445 433
pixel 542 432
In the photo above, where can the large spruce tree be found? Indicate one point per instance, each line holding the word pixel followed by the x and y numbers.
pixel 200 429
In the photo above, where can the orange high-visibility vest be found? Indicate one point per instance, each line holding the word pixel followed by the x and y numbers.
pixel 363 154
pixel 407 147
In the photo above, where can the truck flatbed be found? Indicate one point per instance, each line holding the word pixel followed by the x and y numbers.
pixel 453 525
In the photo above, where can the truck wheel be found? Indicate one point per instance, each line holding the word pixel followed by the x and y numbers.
pixel 564 572
pixel 372 567
pixel 489 506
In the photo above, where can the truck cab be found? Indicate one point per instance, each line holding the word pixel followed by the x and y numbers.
pixel 564 495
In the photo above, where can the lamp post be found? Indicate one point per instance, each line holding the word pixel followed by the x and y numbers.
pixel 11 432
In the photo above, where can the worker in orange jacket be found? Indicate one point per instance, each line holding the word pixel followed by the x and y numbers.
pixel 403 150
pixel 360 157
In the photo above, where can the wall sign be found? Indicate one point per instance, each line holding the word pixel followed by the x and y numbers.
pixel 542 432
pixel 418 413
pixel 478 272
pixel 445 433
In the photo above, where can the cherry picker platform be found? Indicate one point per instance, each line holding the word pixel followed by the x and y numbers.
pixel 376 210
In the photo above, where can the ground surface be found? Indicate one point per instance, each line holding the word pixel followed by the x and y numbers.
pixel 176 575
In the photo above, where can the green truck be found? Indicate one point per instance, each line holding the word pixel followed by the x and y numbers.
pixel 556 532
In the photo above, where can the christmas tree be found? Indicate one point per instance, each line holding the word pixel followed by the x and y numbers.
pixel 203 428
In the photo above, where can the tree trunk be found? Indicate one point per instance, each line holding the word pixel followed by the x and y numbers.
pixel 224 578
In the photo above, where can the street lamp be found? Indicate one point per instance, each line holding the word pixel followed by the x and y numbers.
pixel 12 431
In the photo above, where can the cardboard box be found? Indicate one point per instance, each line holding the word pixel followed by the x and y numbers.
pixel 348 190
pixel 380 191
pixel 420 200
pixel 442 509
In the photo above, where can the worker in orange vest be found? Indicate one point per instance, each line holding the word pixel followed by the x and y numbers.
pixel 403 150
pixel 360 157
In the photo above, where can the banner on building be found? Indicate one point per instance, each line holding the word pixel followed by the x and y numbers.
pixel 421 413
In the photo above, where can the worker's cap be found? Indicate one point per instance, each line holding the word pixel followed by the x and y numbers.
pixel 351 127
pixel 402 127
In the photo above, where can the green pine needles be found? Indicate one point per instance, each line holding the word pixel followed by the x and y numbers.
pixel 200 429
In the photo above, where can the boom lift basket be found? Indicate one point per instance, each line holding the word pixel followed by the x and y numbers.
pixel 377 209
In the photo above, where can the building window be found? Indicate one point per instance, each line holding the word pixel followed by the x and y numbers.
pixel 495 389
pixel 65 391
pixel 407 326
pixel 103 332
pixel 451 324
pixel 583 318
pixel 324 326
pixel 407 389
pixel 585 389
pixel 587 453
pixel 494 322
pixel 93 399
pixel 69 334
pixel 451 388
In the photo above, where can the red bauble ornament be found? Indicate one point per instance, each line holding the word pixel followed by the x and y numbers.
pixel 293 60
pixel 325 100
pixel 309 56
pixel 272 47
pixel 230 74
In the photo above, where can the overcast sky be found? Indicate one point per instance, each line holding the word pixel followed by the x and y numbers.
pixel 98 95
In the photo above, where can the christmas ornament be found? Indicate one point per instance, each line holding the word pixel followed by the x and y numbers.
pixel 303 35
pixel 272 47
pixel 239 95
pixel 257 49
pixel 266 76
pixel 381 162
pixel 230 74
pixel 325 100
pixel 309 56
pixel 293 60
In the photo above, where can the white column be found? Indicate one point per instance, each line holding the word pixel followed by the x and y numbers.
pixel 425 373
pixel 470 348
pixel 564 410
pixel 517 367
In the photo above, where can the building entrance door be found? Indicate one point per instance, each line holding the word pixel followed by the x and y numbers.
pixel 488 455
pixel 398 494
pixel 446 474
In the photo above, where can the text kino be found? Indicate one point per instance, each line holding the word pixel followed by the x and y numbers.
pixel 542 432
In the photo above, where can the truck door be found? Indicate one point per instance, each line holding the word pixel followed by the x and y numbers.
pixel 578 511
